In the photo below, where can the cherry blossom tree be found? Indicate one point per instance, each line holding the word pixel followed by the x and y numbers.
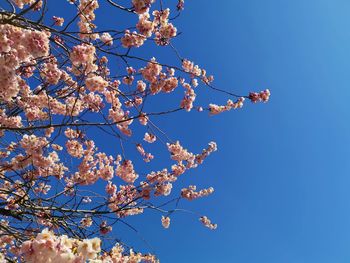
pixel 58 93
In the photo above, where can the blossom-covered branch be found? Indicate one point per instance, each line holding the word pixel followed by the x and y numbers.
pixel 59 92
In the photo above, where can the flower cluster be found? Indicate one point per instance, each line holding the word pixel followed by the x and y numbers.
pixel 216 109
pixel 165 30
pixel 206 222
pixel 96 83
pixel 163 189
pixel 34 154
pixel 47 247
pixel 147 157
pixel 50 72
pixel 19 46
pixel 142 6
pixel 126 171
pixel 22 3
pixel 86 13
pixel 74 148
pixel 145 26
pixel 212 147
pixel 132 39
pixel 160 26
pixel 58 20
pixel 178 153
pixel 263 96
pixel 107 39
pixel 191 194
pixel 11 122
pixel 83 58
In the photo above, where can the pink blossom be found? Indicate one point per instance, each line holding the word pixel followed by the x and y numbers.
pixel 126 171
pixel 262 96
pixel 74 148
pixel 142 6
pixel 96 83
pixel 132 39
pixel 58 20
pixel 206 222
pixel 165 221
pixel 150 138
pixel 107 39
pixel 191 194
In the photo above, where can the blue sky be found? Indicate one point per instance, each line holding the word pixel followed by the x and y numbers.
pixel 281 174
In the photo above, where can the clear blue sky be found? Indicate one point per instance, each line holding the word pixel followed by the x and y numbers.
pixel 281 174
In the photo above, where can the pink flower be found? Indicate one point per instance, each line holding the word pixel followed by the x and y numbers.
pixel 107 39
pixel 262 96
pixel 126 171
pixel 132 39
pixel 58 20
pixel 163 189
pixel 104 228
pixel 165 221
pixel 178 153
pixel 145 26
pixel 111 188
pixel 74 148
pixel 96 83
pixel 206 222
pixel 150 138
pixel 216 109
pixel 142 6
pixel 191 194
pixel 141 86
